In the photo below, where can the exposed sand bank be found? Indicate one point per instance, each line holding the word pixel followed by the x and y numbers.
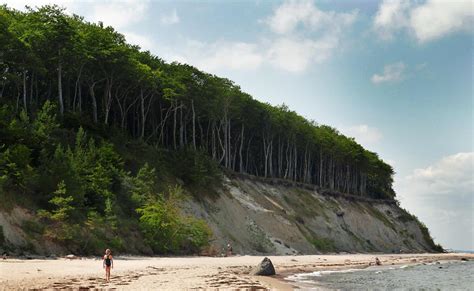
pixel 186 272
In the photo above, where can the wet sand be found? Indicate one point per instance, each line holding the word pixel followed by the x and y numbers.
pixel 178 273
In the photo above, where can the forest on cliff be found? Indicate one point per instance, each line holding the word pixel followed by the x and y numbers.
pixel 89 123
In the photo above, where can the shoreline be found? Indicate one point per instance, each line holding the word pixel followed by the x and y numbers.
pixel 189 272
pixel 280 281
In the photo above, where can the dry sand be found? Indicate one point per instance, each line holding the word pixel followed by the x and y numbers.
pixel 177 273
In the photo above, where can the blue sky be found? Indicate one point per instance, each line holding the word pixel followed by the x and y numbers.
pixel 396 75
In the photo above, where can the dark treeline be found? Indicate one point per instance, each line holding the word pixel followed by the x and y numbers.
pixel 90 71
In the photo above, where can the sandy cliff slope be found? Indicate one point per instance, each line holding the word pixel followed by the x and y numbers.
pixel 261 217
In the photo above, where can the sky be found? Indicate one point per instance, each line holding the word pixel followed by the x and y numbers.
pixel 395 75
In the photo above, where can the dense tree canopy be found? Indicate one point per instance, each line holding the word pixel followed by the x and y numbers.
pixel 91 73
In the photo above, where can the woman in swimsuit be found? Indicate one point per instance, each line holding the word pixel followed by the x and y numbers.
pixel 108 263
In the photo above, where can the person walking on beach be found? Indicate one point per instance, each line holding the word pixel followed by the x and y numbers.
pixel 108 262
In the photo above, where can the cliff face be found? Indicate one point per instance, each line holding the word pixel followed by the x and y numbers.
pixel 259 217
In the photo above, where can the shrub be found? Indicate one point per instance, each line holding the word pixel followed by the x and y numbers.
pixel 323 244
pixel 166 230
pixel 195 168
pixel 60 227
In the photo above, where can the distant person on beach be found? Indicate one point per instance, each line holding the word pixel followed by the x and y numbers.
pixel 108 263
pixel 229 250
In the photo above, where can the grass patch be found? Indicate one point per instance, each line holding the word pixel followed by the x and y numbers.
pixel 323 244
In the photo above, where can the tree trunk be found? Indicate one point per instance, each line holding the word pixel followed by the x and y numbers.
pixel 24 91
pixel 142 111
pixel 60 89
pixel 94 102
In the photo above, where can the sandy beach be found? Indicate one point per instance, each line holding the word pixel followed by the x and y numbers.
pixel 174 273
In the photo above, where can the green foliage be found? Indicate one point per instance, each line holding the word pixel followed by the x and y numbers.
pixel 33 227
pixel 106 83
pixel 195 234
pixel 166 230
pixel 45 122
pixel 143 185
pixel 195 168
pixel 323 244
pixel 79 180
pixel 100 233
pixel 61 228
pixel 408 217
pixel 187 122
pixel 15 168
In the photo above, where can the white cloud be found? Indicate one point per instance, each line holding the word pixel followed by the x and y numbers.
pixel 391 73
pixel 173 18
pixel 301 35
pixel 216 56
pixel 437 18
pixel 292 13
pixel 442 195
pixel 391 17
pixel 234 55
pixel 137 39
pixel 451 174
pixel 118 14
pixel 363 134
pixel 296 55
pixel 307 35
pixel 426 21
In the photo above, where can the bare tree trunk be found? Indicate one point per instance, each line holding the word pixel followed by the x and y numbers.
pixel 77 90
pixel 108 100
pixel 31 88
pixel 142 111
pixel 24 91
pixel 94 102
pixel 60 89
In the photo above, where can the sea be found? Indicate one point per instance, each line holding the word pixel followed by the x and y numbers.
pixel 448 275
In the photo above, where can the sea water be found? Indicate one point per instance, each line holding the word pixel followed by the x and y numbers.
pixel 458 275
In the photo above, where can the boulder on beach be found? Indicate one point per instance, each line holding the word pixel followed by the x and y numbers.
pixel 265 268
